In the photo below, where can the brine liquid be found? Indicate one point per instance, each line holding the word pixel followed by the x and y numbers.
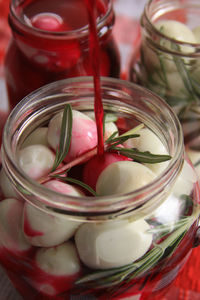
pixel 52 49
pixel 71 15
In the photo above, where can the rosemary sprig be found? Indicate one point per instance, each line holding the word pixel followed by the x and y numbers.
pixel 184 74
pixel 120 139
pixel 65 136
pixel 111 137
pixel 77 182
pixel 149 260
pixel 163 72
pixel 142 157
pixel 132 133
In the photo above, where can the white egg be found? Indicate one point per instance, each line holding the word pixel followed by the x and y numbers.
pixel 36 160
pixel 61 260
pixel 169 211
pixel 196 32
pixel 170 86
pixel 38 136
pixel 148 141
pixel 185 181
pixel 112 244
pixel 45 230
pixel 7 187
pixel 123 177
pixel 11 234
pixel 175 30
pixel 110 128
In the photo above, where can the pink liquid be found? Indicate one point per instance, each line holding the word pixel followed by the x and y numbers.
pixel 44 49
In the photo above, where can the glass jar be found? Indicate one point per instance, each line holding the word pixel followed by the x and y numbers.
pixel 168 61
pixel 167 208
pixel 52 44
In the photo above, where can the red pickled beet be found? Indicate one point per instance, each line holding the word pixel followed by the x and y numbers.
pixel 97 164
pixel 48 21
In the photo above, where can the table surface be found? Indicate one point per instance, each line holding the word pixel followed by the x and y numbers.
pixel 126 31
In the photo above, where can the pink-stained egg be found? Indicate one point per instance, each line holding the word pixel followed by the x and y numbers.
pixel 47 22
pixel 56 269
pixel 84 134
pixel 45 230
pixel 36 160
pixel 63 188
pixel 12 238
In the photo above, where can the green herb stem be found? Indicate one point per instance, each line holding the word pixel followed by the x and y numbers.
pixel 77 182
pixel 142 157
pixel 65 136
pixel 148 261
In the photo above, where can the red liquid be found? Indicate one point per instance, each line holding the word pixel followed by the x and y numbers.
pixel 44 49
pixel 95 59
pixel 24 274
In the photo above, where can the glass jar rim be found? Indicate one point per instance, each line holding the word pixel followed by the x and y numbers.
pixel 68 34
pixel 105 204
pixel 152 28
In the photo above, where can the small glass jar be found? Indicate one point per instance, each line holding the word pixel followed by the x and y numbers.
pixel 52 44
pixel 167 207
pixel 168 63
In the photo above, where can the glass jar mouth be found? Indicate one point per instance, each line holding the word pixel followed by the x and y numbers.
pixel 150 15
pixel 45 198
pixel 66 34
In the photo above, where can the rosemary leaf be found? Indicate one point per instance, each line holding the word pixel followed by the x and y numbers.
pixel 184 74
pixel 162 66
pixel 197 163
pixel 143 157
pixel 111 137
pixel 121 139
pixel 167 228
pixel 132 133
pixel 175 100
pixel 78 182
pixel 65 136
pixel 146 262
pixel 134 130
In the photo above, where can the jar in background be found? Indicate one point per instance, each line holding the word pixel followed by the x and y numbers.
pixel 52 44
pixel 161 215
pixel 168 61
